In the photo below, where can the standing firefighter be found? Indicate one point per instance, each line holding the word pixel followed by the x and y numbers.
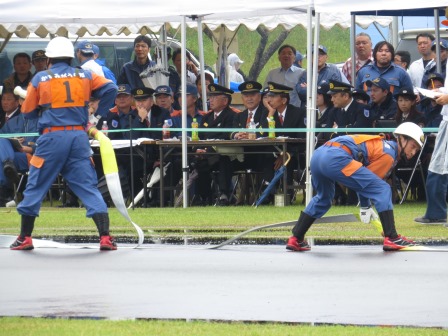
pixel 360 162
pixel 58 97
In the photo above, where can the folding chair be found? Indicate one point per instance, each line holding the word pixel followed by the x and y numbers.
pixel 18 187
pixel 246 181
pixel 59 186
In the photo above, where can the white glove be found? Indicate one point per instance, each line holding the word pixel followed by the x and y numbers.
pixel 18 91
pixel 367 214
pixel 93 120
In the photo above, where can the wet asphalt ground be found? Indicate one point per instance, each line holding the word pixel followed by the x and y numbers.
pixel 359 285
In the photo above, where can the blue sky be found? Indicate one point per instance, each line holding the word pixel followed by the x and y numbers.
pixel 403 22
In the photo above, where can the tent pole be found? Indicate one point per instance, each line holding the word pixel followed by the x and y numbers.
pixel 394 31
pixel 184 111
pixel 437 31
pixel 164 47
pixel 311 103
pixel 222 58
pixel 352 47
pixel 202 65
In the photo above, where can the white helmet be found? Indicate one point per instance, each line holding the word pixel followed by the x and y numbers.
pixel 60 47
pixel 412 130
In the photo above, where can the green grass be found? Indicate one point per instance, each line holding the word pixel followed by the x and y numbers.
pixel 337 41
pixel 62 327
pixel 200 222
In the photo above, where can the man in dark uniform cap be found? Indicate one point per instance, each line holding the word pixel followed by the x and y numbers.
pixel 383 105
pixel 255 110
pixel 251 96
pixel 428 106
pixel 220 116
pixel 348 112
pixel 164 97
pixel 324 106
pixel 39 61
pixel 122 114
pixel 149 115
pixel 285 116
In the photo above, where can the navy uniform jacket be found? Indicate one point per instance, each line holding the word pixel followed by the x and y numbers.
pixel 325 75
pixel 3 117
pixel 116 121
pixel 295 118
pixel 322 122
pixel 18 124
pixel 158 116
pixel 433 118
pixel 395 75
pixel 431 70
pixel 130 73
pixel 240 119
pixel 386 110
pixel 357 116
pixel 224 120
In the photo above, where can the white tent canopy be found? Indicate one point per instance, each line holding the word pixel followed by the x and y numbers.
pixel 288 21
pixel 98 17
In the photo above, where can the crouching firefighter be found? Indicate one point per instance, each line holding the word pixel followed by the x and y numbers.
pixel 360 162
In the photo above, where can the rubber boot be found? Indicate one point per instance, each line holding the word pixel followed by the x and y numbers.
pixel 388 222
pixel 302 226
pixel 27 226
pixel 102 223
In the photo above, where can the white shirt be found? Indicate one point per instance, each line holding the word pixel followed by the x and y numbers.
pixel 283 113
pixel 417 70
pixel 93 66
pixel 346 108
pixel 253 111
pixel 9 116
pixel 217 114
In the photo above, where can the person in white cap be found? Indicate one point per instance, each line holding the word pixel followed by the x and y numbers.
pixel 234 65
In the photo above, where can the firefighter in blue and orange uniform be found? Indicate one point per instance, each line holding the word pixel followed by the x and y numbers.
pixel 58 97
pixel 360 162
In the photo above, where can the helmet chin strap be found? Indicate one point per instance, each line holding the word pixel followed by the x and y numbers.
pixel 402 153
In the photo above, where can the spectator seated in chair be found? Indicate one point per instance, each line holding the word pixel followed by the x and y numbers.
pixel 14 159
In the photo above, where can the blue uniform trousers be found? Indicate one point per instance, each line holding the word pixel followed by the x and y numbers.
pixel 68 153
pixel 326 165
pixel 7 153
pixel 436 189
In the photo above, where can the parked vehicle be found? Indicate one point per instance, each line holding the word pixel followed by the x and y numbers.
pixel 114 50
pixel 408 42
